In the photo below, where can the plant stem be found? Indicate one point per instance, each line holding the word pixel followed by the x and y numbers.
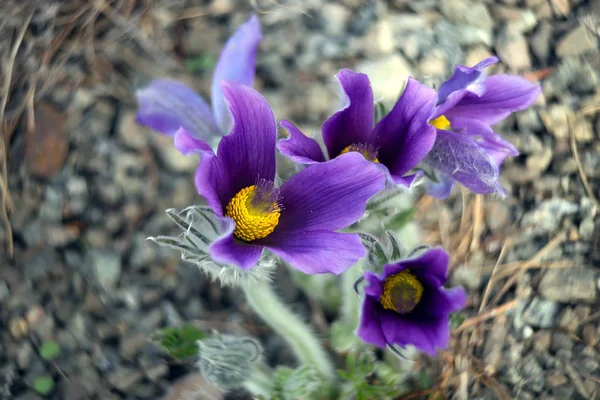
pixel 277 315
pixel 260 383
pixel 350 311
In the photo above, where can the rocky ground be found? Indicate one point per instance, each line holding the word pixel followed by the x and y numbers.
pixel 88 186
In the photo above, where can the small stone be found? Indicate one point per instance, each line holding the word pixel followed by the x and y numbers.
pixel 221 7
pixel 18 327
pixel 336 18
pixel 538 162
pixel 591 334
pixel 433 63
pixel 131 345
pixel 546 217
pixel 541 313
pixel 498 215
pixel 555 378
pixel 106 267
pixel 93 304
pixel 476 55
pixel 4 291
pixel 494 345
pixel 569 285
pixel 568 320
pixel 513 49
pixel 39 264
pixel 561 341
pixel 47 146
pixel 540 42
pixel 520 19
pixel 528 121
pixel 463 12
pixel 24 355
pixel 577 41
pixel 124 378
pixel 542 341
pixel 532 373
pixel 388 75
pixel 131 133
pixel 156 372
pixel 171 157
pixel 380 39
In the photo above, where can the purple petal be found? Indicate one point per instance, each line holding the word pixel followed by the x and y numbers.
pixel 464 80
pixel 441 189
pixel 208 179
pixel 248 152
pixel 185 143
pixel 330 195
pixel 459 157
pixel 353 123
pixel 369 328
pixel 433 262
pixel 503 95
pixel 166 105
pixel 229 250
pixel 299 147
pixel 439 302
pixel 404 136
pixel 375 285
pixel 317 252
pixel 485 137
pixel 237 63
pixel 425 335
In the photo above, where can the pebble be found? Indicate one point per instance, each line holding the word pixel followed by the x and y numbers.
pixel 540 42
pixel 541 313
pixel 546 217
pixel 577 41
pixel 336 18
pixel 569 285
pixel 106 267
pixel 468 12
pixel 513 49
pixel 388 75
pixel 124 378
pixel 47 145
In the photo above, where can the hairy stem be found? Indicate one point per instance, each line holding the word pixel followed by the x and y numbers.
pixel 299 336
pixel 260 383
pixel 350 311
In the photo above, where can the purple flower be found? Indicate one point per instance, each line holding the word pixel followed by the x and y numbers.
pixel 407 305
pixel 467 150
pixel 399 141
pixel 167 105
pixel 297 221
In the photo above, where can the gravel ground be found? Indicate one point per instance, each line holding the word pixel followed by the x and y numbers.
pixel 89 185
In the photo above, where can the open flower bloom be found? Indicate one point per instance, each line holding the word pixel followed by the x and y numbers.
pixel 467 150
pixel 297 221
pixel 399 141
pixel 165 105
pixel 407 305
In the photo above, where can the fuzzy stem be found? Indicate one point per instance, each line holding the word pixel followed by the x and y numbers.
pixel 350 311
pixel 259 383
pixel 277 315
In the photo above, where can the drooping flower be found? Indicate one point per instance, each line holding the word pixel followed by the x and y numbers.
pixel 297 221
pixel 467 150
pixel 407 305
pixel 399 141
pixel 166 105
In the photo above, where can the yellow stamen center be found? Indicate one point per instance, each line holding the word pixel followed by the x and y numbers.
pixel 401 292
pixel 254 218
pixel 441 122
pixel 366 151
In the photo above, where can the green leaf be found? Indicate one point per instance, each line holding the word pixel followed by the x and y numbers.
pixel 399 220
pixel 180 343
pixel 49 350
pixel 425 381
pixel 456 320
pixel 44 385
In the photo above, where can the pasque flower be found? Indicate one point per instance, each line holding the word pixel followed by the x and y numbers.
pixel 467 150
pixel 166 105
pixel 407 305
pixel 297 221
pixel 399 141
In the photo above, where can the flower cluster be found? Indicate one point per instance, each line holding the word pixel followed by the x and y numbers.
pixel 446 132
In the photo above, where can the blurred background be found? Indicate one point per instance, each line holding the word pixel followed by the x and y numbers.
pixel 82 186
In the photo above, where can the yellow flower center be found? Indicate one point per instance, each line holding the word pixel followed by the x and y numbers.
pixel 441 122
pixel 255 214
pixel 367 151
pixel 401 292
